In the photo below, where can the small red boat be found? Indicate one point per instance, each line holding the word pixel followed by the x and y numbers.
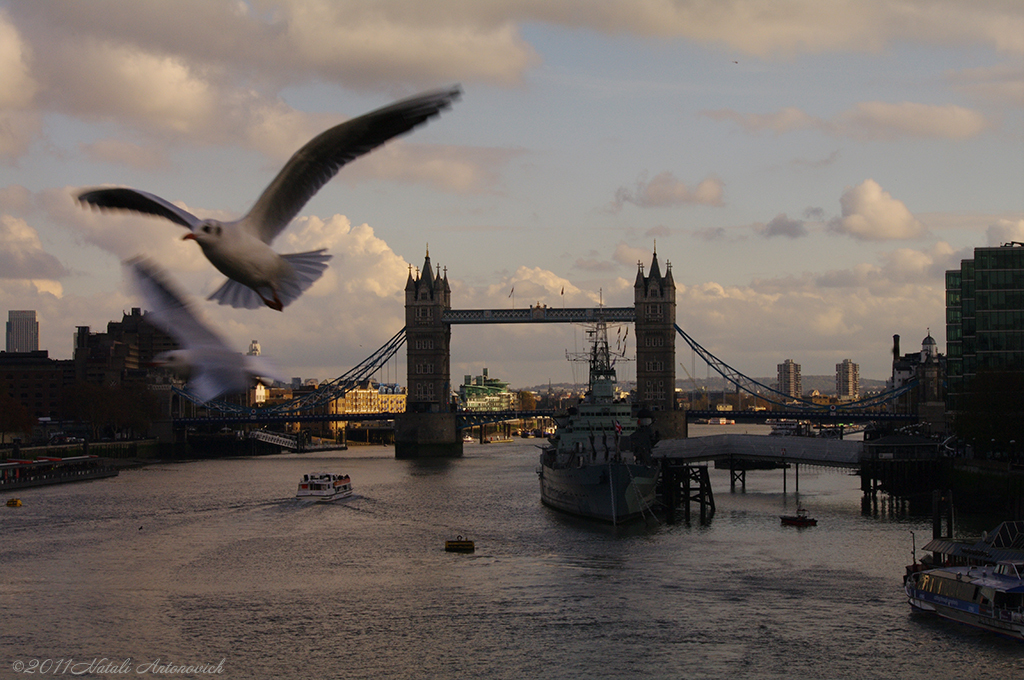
pixel 800 519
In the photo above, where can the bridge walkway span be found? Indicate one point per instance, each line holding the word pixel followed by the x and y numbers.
pixel 750 447
pixel 287 441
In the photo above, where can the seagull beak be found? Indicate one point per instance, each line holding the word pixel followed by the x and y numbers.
pixel 189 237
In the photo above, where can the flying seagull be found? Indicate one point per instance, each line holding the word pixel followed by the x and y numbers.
pixel 241 249
pixel 204 360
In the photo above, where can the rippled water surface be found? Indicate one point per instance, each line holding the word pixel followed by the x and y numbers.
pixel 191 563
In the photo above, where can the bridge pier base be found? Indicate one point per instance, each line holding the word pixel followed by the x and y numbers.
pixel 427 435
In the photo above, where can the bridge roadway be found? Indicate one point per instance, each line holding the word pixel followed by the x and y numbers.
pixel 763 448
pixel 539 314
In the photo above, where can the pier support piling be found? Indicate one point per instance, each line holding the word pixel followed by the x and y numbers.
pixel 687 484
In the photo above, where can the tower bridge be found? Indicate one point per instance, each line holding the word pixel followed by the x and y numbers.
pixel 429 425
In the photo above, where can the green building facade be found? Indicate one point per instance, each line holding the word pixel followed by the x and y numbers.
pixel 984 319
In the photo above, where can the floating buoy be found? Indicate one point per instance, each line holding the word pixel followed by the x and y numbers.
pixel 460 545
pixel 14 502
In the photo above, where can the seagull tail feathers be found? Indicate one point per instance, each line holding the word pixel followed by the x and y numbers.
pixel 306 269
pixel 235 294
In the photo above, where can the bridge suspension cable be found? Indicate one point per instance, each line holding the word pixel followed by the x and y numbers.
pixel 326 392
pixel 751 386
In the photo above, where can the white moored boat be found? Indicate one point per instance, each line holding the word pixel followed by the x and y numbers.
pixel 598 464
pixel 324 486
pixel 988 597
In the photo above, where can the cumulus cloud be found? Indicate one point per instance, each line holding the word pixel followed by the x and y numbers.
pixel 22 255
pixel 665 191
pixel 765 28
pixel 814 214
pixel 711 234
pixel 868 121
pixel 533 284
pixel 201 74
pixel 658 230
pixel 870 213
pixel 17 86
pixel 628 256
pixel 19 123
pixel 125 153
pixel 1005 231
pixel 816 164
pixel 861 307
pixel 454 169
pixel 782 225
pixel 15 198
pixel 786 120
pixel 882 120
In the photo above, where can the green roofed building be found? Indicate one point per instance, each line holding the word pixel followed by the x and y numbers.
pixel 484 393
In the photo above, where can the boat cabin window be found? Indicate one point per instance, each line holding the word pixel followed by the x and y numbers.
pixel 1010 569
pixel 950 587
pixel 1009 600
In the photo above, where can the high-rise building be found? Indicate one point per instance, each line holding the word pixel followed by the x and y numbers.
pixel 848 381
pixel 22 331
pixel 984 318
pixel 789 379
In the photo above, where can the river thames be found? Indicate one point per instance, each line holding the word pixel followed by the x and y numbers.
pixel 215 564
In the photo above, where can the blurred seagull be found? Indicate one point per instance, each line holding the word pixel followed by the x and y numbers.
pixel 205 361
pixel 241 249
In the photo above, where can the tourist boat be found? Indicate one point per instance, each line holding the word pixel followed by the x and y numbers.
pixel 597 464
pixel 800 519
pixel 987 597
pixel 324 486
pixel 783 427
pixel 460 545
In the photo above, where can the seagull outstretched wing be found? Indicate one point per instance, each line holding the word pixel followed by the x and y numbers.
pixel 123 198
pixel 319 160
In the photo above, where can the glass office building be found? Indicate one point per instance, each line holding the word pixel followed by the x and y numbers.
pixel 984 317
pixel 22 331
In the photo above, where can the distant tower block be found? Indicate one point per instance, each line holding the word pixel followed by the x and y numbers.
pixel 22 331
pixel 254 349
pixel 790 381
pixel 654 297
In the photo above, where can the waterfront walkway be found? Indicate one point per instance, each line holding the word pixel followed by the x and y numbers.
pixel 763 448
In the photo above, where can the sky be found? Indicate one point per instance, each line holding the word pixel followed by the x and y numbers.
pixel 809 169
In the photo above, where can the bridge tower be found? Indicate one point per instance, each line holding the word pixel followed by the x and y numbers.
pixel 654 299
pixel 428 426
